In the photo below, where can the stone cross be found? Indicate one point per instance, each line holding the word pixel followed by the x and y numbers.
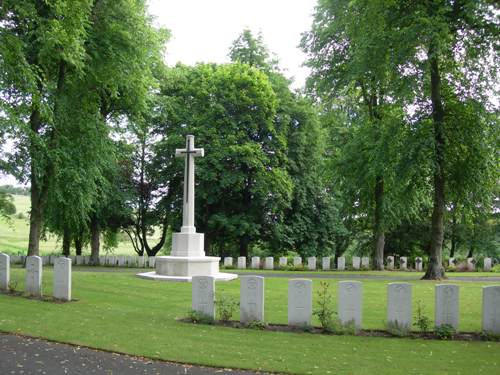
pixel 190 152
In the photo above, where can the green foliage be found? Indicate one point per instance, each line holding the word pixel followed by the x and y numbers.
pixel 198 317
pixel 444 331
pixel 324 311
pixel 7 206
pixel 226 307
pixel 422 321
pixel 256 324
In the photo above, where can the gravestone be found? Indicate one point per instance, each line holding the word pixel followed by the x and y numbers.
pixel 121 261
pixel 491 309
pixel 419 262
pixel 390 262
pixel 403 263
pixel 487 265
pixel 340 263
pixel 399 305
pixel 45 260
pixel 103 260
pixel 203 295
pixel 228 261
pixel 15 259
pixel 283 261
pixel 349 303
pixel 140 261
pixel 325 263
pixel 447 310
pixel 451 262
pixel 79 260
pixel 62 279
pixel 4 271
pixel 471 264
pixel 33 285
pixel 86 260
pixel 130 261
pixel 242 263
pixel 52 259
pixel 297 261
pixel 73 259
pixel 311 263
pixel 299 302
pixel 356 263
pixel 255 263
pixel 251 299
pixel 152 262
pixel 269 263
pixel 365 262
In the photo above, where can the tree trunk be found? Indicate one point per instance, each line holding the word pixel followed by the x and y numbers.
pixel 244 242
pixel 453 233
pixel 378 231
pixel 78 244
pixel 435 270
pixel 94 241
pixel 66 242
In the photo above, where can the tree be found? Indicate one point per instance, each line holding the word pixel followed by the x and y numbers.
pixel 7 206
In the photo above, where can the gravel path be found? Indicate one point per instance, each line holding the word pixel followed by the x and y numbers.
pixel 25 355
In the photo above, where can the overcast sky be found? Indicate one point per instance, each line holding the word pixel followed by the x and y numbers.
pixel 203 30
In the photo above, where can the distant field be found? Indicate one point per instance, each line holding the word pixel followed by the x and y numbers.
pixel 14 235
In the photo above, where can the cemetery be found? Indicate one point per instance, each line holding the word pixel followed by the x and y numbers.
pixel 234 187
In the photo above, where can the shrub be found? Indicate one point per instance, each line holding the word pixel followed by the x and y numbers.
pixel 444 332
pixel 199 317
pixel 226 307
pixel 496 268
pixel 324 312
pixel 256 324
pixel 422 321
pixel 12 287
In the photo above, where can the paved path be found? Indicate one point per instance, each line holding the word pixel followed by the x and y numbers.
pixel 24 355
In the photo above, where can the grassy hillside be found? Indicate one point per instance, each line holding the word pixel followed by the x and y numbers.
pixel 14 235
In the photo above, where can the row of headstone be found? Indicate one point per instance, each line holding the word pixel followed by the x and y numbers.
pixel 104 260
pixel 268 263
pixel 33 280
pixel 471 264
pixel 349 303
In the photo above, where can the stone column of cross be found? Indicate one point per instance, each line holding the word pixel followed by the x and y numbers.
pixel 189 153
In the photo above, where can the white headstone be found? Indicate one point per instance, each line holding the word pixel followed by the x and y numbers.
pixel 399 305
pixel 269 263
pixel 325 263
pixel 311 263
pixel 79 260
pixel 203 295
pixel 45 260
pixel 419 263
pixel 4 272
pixel 102 260
pixel 297 261
pixel 228 261
pixel 299 302
pixel 151 262
pixel 73 259
pixel 255 262
pixel 131 261
pixel 140 261
pixel 390 262
pixel 15 259
pixel 86 260
pixel 356 263
pixel 403 263
pixel 471 265
pixel 283 261
pixel 491 309
pixel 121 261
pixel 341 264
pixel 487 265
pixel 349 303
pixel 451 262
pixel 52 259
pixel 251 298
pixel 242 263
pixel 365 262
pixel 62 279
pixel 33 283
pixel 446 311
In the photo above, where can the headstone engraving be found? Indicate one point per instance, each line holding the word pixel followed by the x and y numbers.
pixel 203 295
pixel 399 312
pixel 256 262
pixel 242 263
pixel 419 263
pixel 4 272
pixel 491 309
pixel 62 279
pixel 269 263
pixel 325 263
pixel 349 304
pixel 34 276
pixel 251 298
pixel 311 263
pixel 447 300
pixel 341 264
pixel 299 302
pixel 403 263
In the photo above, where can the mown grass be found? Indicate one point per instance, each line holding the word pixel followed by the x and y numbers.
pixel 117 311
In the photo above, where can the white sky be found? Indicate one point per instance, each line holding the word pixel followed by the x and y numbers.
pixel 203 31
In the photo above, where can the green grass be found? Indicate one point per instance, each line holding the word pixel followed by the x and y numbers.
pixel 117 311
pixel 14 235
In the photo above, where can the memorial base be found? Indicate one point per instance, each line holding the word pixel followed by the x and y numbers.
pixel 175 268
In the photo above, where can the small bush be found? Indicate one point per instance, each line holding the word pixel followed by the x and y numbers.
pixel 226 306
pixel 324 312
pixel 396 329
pixel 21 216
pixel 199 317
pixel 422 321
pixel 444 332
pixel 496 268
pixel 12 287
pixel 256 324
pixel 489 336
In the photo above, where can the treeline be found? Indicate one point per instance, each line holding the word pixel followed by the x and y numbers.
pixel 391 150
pixel 14 190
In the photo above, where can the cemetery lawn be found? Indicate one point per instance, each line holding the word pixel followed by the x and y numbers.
pixel 117 311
